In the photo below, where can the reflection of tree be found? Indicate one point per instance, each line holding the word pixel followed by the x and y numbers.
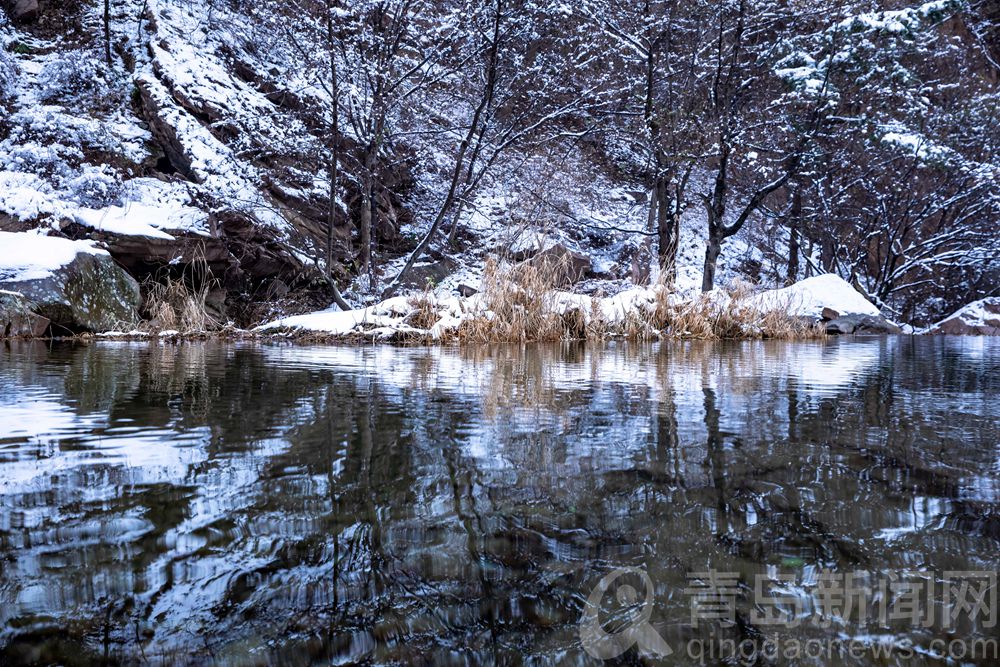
pixel 368 515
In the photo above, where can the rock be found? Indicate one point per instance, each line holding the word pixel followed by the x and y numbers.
pixel 566 266
pixel 638 196
pixel 24 11
pixel 17 319
pixel 467 290
pixel 90 293
pixel 155 100
pixel 215 304
pixel 979 318
pixel 828 314
pixel 840 326
pixel 864 324
pixel 429 273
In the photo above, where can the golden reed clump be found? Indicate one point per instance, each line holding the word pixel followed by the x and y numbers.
pixel 521 303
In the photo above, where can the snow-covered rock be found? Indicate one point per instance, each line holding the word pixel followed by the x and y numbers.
pixel 979 318
pixel 831 299
pixel 808 298
pixel 72 283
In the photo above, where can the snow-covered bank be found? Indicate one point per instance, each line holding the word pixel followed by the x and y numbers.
pixel 644 312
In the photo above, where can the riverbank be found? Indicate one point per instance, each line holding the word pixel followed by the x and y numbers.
pixel 523 308
pixel 80 292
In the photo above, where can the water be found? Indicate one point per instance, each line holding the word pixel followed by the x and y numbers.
pixel 251 504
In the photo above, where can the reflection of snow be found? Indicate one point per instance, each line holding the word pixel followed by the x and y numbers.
pixel 922 513
pixel 150 455
pixel 830 366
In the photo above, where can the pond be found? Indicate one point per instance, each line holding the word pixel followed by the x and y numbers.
pixel 245 504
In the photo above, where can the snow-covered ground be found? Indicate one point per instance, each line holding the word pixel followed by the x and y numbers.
pixel 392 317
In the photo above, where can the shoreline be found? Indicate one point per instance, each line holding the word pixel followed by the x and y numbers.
pixel 402 340
pixel 519 311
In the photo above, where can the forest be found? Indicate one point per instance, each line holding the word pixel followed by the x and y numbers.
pixel 360 150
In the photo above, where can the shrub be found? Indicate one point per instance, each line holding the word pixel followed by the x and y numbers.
pixel 96 187
pixel 81 78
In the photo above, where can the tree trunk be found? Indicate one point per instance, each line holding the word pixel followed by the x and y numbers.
pixel 107 31
pixel 331 223
pixel 712 250
pixel 667 230
pixel 331 216
pixel 794 224
pixel 367 187
pixel 827 252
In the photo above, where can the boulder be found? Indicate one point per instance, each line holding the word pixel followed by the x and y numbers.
pixel 431 273
pixel 979 318
pixel 17 319
pixel 566 266
pixel 822 297
pixel 75 285
pixel 861 324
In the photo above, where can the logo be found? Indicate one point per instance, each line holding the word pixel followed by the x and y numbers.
pixel 631 629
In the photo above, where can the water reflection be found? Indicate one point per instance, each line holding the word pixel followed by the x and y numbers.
pixel 243 504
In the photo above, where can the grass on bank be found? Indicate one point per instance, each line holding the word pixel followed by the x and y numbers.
pixel 521 304
pixel 180 303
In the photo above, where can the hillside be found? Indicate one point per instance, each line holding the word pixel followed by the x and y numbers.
pixel 272 156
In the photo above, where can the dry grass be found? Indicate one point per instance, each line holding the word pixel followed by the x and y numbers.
pixel 521 304
pixel 731 315
pixel 180 304
pixel 425 313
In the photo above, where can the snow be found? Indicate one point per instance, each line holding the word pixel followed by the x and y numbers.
pixel 915 144
pixel 27 197
pixel 902 20
pixel 136 219
pixel 808 298
pixel 27 256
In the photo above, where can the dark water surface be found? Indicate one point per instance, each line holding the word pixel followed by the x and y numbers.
pixel 251 504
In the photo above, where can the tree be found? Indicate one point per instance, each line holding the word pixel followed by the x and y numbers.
pixel 656 42
pixel 107 32
pixel 525 61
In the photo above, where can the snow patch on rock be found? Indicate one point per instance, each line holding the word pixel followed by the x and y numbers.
pixel 979 318
pixel 28 256
pixel 808 298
